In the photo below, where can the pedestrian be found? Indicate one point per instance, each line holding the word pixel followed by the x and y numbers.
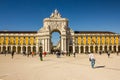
pixel 100 52
pixel 28 54
pixel 92 59
pixel 32 54
pixel 44 54
pixel 40 55
pixel 108 53
pixel 57 54
pixel 12 54
pixel 74 54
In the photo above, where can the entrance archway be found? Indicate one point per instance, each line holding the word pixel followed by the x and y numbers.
pixel 55 41
pixel 55 23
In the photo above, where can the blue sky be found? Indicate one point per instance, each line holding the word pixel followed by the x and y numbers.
pixel 83 15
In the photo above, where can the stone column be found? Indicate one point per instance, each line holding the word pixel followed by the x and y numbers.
pixel 79 49
pixel 107 47
pixel 46 45
pixel 37 48
pixel 65 44
pixel 73 45
pixel 103 48
pixel 98 49
pixel 43 44
pixel 94 48
pixel 6 47
pixel 11 48
pixel 116 48
pixel 32 48
pixel 84 49
pixel 61 44
pixel 26 49
pixel 62 47
pixel 49 45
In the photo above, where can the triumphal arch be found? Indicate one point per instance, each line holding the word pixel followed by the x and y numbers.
pixel 55 23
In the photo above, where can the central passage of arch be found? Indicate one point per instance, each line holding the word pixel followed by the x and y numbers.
pixel 55 41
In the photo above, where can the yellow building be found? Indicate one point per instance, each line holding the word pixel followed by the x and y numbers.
pixel 95 41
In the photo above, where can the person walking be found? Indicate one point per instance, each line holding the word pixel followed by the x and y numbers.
pixel 108 53
pixel 44 54
pixel 74 54
pixel 12 54
pixel 40 55
pixel 92 59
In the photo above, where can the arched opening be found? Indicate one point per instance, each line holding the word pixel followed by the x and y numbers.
pixel 101 49
pixel 118 48
pixel 9 49
pixel 34 49
pixel 114 49
pixel 76 49
pixel 14 48
pixel 96 49
pixel 91 49
pixel 55 41
pixel 81 49
pixel 4 49
pixel 24 49
pixel 19 49
pixel 86 49
pixel 29 49
pixel 110 48
pixel 105 49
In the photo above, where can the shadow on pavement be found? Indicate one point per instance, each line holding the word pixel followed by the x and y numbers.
pixel 99 66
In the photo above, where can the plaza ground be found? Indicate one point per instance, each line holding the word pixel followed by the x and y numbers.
pixel 63 68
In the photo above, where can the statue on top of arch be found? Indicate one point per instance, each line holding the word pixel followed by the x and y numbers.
pixel 55 14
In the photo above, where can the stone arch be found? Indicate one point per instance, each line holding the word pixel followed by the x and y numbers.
pixel 86 49
pixel 34 49
pixel 76 49
pixel 110 48
pixel 19 49
pixel 29 49
pixel 58 47
pixel 91 49
pixel 101 48
pixel 96 49
pixel 119 48
pixel 105 49
pixel 55 23
pixel 114 49
pixel 24 49
pixel 70 49
pixel 14 48
pixel 4 49
pixel 82 49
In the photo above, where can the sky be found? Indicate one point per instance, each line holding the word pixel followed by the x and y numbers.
pixel 83 15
